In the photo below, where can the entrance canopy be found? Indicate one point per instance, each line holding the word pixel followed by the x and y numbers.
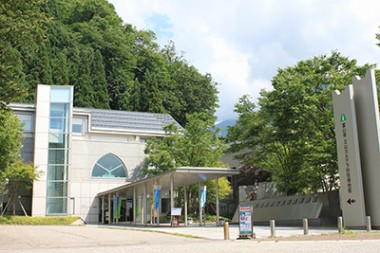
pixel 144 188
pixel 182 176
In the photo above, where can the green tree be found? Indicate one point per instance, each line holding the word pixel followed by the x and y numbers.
pixel 99 82
pixel 187 91
pixel 10 75
pixel 20 177
pixel 162 152
pixel 21 23
pixel 19 174
pixel 292 134
pixel 197 145
pixel 111 64
pixel 224 190
pixel 10 139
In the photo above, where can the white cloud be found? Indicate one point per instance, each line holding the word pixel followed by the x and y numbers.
pixel 243 43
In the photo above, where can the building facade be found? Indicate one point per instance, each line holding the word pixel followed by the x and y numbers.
pixel 80 151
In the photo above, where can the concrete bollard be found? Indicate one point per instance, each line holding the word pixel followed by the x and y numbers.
pixel 272 228
pixel 226 231
pixel 305 227
pixel 340 224
pixel 368 221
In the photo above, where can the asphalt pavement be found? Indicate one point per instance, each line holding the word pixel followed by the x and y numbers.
pixel 104 239
pixel 211 231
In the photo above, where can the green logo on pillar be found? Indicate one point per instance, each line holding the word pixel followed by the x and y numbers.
pixel 343 117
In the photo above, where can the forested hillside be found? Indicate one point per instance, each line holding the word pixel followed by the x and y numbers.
pixel 111 65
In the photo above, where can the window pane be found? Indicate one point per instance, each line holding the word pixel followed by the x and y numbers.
pixel 59 110
pixel 27 121
pixel 57 156
pixel 56 205
pixel 56 145
pixel 58 139
pixel 58 124
pixel 56 189
pixel 109 161
pixel 56 172
pixel 109 166
pixel 77 128
pixel 120 172
pixel 99 172
pixel 60 94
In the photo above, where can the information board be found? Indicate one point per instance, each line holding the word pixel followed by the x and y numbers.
pixel 176 211
pixel 245 220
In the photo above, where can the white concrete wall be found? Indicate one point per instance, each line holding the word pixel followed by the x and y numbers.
pixel 41 142
pixel 85 152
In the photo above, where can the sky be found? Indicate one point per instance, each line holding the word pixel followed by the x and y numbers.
pixel 242 43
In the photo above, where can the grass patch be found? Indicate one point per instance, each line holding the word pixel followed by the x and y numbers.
pixel 205 218
pixel 348 232
pixel 28 220
pixel 344 231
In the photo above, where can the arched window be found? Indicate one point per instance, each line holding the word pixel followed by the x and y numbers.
pixel 109 166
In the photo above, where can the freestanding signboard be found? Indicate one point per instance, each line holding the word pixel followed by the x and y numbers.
pixel 245 221
pixel 176 216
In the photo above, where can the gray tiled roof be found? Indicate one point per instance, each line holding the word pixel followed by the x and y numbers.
pixel 120 120
pixel 137 121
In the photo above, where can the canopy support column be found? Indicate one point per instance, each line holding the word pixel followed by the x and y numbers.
pixel 185 197
pixel 143 209
pixel 200 205
pixel 134 205
pixel 109 209
pixel 171 192
pixel 102 210
pixel 217 201
pixel 115 211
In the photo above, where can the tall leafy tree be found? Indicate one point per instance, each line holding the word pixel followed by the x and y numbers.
pixel 187 91
pixel 162 152
pixel 20 23
pixel 20 177
pixel 111 64
pixel 11 135
pixel 292 133
pixel 197 145
pixel 99 82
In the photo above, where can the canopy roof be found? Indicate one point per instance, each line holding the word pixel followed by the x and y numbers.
pixel 181 176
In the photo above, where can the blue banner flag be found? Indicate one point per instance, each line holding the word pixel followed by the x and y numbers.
pixel 203 196
pixel 157 195
pixel 156 199
pixel 116 204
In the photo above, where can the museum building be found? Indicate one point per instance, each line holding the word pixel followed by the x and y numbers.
pixel 81 151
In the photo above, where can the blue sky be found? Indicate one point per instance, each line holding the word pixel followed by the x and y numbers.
pixel 242 43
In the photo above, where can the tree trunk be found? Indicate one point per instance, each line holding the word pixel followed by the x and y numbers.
pixel 14 204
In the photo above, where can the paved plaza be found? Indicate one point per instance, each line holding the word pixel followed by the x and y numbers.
pixel 214 232
pixel 93 238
